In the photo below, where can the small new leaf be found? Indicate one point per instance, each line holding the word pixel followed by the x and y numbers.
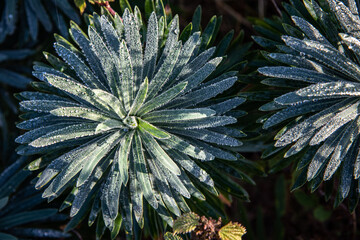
pixel 232 231
pixel 170 236
pixel 186 223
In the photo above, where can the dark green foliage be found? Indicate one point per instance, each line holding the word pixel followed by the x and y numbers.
pixel 316 65
pixel 29 15
pixel 21 21
pixel 21 212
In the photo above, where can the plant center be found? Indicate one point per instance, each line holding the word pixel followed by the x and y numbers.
pixel 131 122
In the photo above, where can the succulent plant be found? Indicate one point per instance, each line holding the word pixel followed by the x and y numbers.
pixel 121 123
pixel 317 102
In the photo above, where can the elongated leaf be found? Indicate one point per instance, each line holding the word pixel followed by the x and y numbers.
pixel 162 99
pixel 159 154
pixel 154 131
pixel 140 97
pixel 142 174
pixel 151 48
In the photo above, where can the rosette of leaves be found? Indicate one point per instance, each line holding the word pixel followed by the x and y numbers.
pixel 21 210
pixel 128 125
pixel 318 104
pixel 27 14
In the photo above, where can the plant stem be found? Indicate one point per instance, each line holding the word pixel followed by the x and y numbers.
pixel 108 7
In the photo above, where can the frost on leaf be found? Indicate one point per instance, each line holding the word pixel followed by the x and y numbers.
pixel 129 123
pixel 320 117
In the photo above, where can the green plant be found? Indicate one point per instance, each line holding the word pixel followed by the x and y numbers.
pixel 317 106
pixel 21 211
pixel 202 228
pixel 123 122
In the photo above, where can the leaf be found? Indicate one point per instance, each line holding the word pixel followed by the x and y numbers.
pixel 109 124
pixel 140 97
pixel 81 4
pixel 209 122
pixel 133 40
pixel 321 214
pixel 109 61
pixel 5 236
pixel 73 59
pixel 203 94
pixel 127 76
pixel 186 223
pixel 142 173
pixel 178 115
pixel 3 202
pixel 325 54
pixel 170 236
pixel 159 154
pixel 299 74
pixel 187 148
pixel 163 73
pixel 151 47
pixel 26 217
pixel 154 131
pixel 64 134
pixel 80 112
pixel 98 154
pixel 232 231
pixel 162 99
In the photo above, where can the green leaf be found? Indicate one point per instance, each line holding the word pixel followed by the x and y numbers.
pixel 80 112
pixel 117 227
pixel 186 223
pixel 109 124
pixel 157 152
pixel 81 4
pixel 232 231
pixel 78 65
pixel 151 47
pixel 196 20
pixel 187 148
pixel 124 4
pixel 170 236
pixel 178 115
pixel 133 39
pixel 26 217
pixel 127 77
pixel 5 236
pixel 162 99
pixel 142 174
pixel 67 133
pixel 3 202
pixel 101 152
pixel 140 97
pixel 163 73
pixel 109 61
pixel 321 214
pixel 154 131
pixel 121 157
